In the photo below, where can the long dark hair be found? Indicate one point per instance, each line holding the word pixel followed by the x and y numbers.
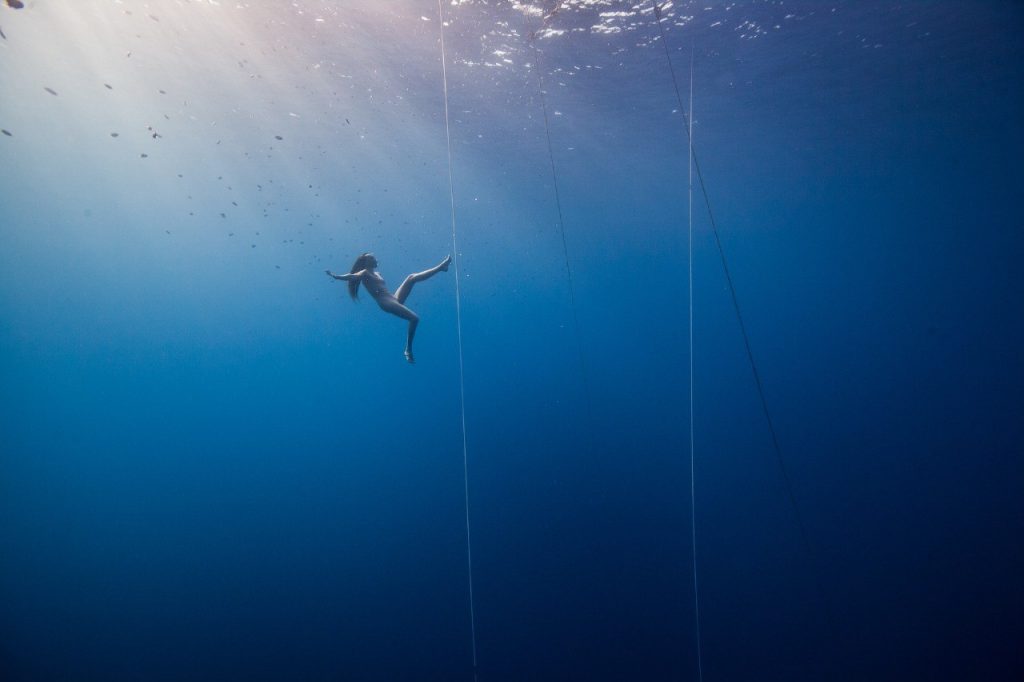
pixel 361 264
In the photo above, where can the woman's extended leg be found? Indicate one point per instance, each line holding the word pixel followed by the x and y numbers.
pixel 395 308
pixel 403 291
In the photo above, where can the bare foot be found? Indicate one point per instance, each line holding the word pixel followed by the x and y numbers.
pixel 409 358
pixel 443 267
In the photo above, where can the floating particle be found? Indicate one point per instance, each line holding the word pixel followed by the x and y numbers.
pixel 254 246
pixel 223 216
pixel 278 267
pixel 234 203
pixel 2 34
pixel 108 86
pixel 154 18
pixel 346 121
pixel 231 234
pixel 278 137
pixel 163 92
pixel 6 132
pixel 113 134
pixel 51 91
pixel 167 231
pixel 145 156
pixel 15 4
pixel 180 175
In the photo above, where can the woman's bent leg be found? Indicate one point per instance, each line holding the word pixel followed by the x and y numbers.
pixel 395 308
pixel 403 291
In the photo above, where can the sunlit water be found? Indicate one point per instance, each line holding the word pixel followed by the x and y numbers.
pixel 214 465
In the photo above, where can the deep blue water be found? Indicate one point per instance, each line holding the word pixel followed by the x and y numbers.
pixel 214 466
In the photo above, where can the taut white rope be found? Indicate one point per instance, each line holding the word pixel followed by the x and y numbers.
pixel 689 264
pixel 458 326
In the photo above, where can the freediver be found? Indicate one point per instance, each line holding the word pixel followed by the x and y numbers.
pixel 364 271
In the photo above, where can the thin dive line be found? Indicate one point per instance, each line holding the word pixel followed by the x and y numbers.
pixel 693 485
pixel 458 325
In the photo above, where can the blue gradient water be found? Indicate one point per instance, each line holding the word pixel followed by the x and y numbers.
pixel 214 466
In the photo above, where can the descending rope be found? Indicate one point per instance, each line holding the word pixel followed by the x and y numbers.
pixel 693 485
pixel 797 515
pixel 458 327
pixel 735 299
pixel 561 221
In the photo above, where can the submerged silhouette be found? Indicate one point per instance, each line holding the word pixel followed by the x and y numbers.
pixel 364 271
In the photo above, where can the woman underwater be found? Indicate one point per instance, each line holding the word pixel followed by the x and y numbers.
pixel 364 271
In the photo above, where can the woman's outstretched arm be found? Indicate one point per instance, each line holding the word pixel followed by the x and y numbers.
pixel 348 276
